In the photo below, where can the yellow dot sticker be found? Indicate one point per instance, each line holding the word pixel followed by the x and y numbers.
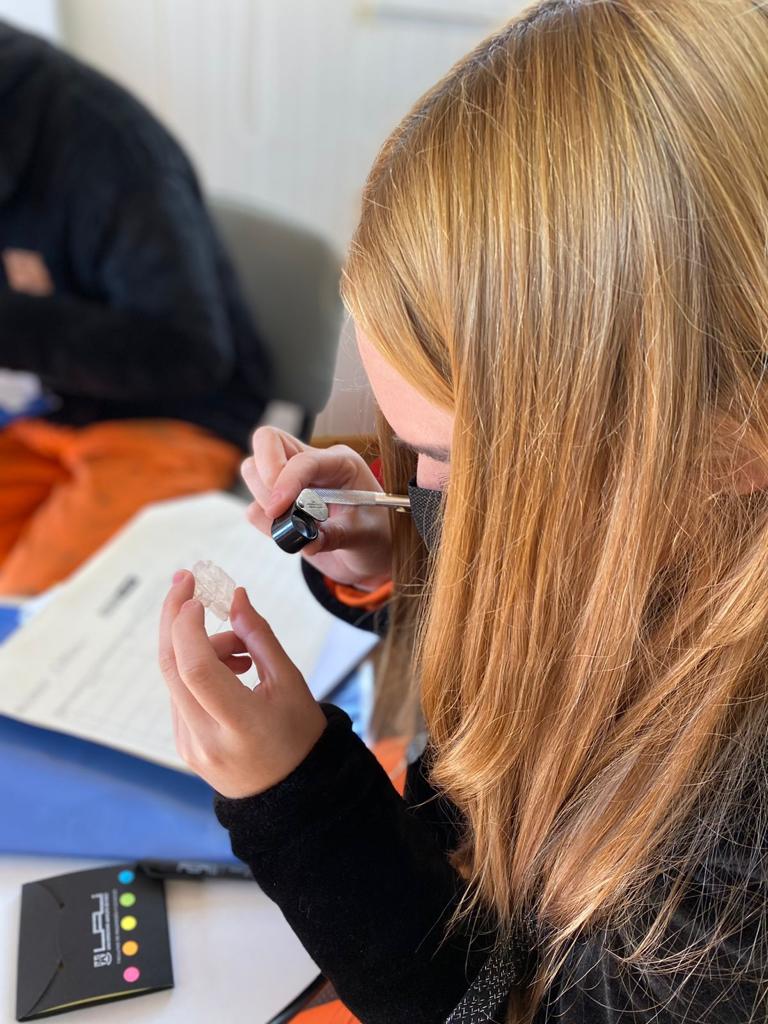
pixel 130 948
pixel 128 923
pixel 127 899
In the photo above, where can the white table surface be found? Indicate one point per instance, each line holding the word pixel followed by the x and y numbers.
pixel 234 957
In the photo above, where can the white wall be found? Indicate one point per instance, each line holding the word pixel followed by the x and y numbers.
pixel 40 16
pixel 283 103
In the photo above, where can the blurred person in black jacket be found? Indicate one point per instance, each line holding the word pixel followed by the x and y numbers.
pixel 117 294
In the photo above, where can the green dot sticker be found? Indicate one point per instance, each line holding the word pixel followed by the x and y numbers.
pixel 128 923
pixel 127 899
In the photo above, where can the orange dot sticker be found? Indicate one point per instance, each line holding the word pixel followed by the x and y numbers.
pixel 130 948
pixel 128 923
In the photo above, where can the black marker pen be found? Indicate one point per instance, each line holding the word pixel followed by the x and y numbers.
pixel 194 870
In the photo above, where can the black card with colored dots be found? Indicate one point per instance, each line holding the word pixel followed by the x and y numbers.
pixel 90 937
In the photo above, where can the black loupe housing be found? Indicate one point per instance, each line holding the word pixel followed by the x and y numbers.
pixel 294 530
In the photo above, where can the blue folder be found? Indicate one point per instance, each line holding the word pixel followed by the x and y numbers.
pixel 70 797
pixel 66 796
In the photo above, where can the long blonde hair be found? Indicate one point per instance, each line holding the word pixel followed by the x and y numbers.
pixel 566 244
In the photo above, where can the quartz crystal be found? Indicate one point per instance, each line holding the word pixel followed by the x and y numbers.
pixel 213 588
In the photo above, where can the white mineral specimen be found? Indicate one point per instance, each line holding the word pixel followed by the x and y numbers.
pixel 213 588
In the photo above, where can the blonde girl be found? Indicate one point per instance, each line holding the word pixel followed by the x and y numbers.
pixel 560 283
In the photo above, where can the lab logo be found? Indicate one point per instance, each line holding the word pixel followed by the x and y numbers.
pixel 100 921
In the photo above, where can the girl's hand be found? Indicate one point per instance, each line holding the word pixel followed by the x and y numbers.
pixel 241 741
pixel 355 544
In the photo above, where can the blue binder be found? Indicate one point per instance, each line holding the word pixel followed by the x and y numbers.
pixel 70 797
pixel 66 796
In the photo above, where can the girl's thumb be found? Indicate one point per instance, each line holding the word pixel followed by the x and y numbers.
pixel 256 633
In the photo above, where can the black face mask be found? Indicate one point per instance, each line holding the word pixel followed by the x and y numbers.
pixel 427 512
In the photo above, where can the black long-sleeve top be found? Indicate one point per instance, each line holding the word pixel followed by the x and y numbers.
pixel 146 319
pixel 363 877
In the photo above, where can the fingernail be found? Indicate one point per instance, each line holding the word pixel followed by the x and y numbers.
pixel 191 603
pixel 178 576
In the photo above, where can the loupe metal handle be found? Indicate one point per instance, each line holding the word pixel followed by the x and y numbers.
pixel 398 502
pixel 298 526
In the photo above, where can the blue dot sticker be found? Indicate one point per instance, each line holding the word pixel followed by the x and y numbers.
pixel 126 877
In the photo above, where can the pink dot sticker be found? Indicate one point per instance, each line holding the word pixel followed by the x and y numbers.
pixel 131 973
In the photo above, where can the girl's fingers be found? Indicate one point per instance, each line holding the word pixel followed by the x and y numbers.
pixel 213 686
pixel 257 518
pixel 230 650
pixel 272 449
pixel 180 592
pixel 239 664
pixel 226 644
pixel 313 468
pixel 254 481
pixel 331 537
pixel 183 703
pixel 271 661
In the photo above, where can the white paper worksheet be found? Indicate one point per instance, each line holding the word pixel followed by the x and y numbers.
pixel 87 663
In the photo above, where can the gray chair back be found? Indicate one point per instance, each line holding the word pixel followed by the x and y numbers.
pixel 290 280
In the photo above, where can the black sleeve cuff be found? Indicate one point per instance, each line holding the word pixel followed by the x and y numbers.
pixel 373 622
pixel 337 763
